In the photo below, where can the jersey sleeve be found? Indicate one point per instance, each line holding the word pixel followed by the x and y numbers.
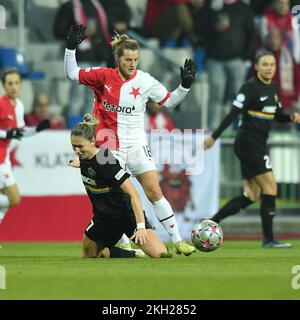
pixel 111 170
pixel 20 114
pixel 92 77
pixel 157 92
pixel 243 97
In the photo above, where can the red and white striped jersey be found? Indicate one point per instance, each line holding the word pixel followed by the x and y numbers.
pixel 120 105
pixel 11 116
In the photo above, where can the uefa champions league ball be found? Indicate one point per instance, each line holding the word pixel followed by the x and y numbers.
pixel 207 235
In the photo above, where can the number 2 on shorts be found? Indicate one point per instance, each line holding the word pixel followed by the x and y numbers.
pixel 267 162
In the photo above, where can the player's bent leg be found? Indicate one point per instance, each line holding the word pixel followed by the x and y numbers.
pixel 150 183
pixel 89 248
pixel 251 190
pixel 154 247
pixel 13 194
pixel 267 183
pixel 162 208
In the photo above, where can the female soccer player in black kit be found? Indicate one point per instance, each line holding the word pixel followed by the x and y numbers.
pixel 116 203
pixel 258 103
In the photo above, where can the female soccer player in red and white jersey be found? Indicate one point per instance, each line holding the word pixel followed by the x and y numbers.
pixel 120 96
pixel 12 126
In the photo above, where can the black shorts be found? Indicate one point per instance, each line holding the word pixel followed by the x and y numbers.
pixel 109 232
pixel 253 155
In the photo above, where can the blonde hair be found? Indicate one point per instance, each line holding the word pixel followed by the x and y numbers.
pixel 87 128
pixel 121 42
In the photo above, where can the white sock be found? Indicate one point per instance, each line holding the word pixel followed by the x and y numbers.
pixel 124 239
pixel 165 215
pixel 4 201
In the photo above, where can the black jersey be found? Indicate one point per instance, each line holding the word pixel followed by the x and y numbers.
pixel 102 177
pixel 259 104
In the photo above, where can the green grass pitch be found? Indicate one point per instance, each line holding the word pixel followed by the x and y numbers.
pixel 237 270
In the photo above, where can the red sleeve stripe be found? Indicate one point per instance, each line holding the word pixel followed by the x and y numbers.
pixel 165 98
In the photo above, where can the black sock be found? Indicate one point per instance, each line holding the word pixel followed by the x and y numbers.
pixel 232 207
pixel 116 252
pixel 267 212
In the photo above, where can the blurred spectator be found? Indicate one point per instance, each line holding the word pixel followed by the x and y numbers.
pixel 287 74
pixel 259 6
pixel 229 40
pixel 41 112
pixel 155 118
pixel 279 16
pixel 101 18
pixel 169 21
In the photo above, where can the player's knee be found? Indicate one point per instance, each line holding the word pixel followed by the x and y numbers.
pixel 88 252
pixel 154 194
pixel 158 252
pixel 271 189
pixel 255 196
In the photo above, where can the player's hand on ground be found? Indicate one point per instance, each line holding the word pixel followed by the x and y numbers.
pixel 74 162
pixel 140 236
pixel 209 142
pixel 188 73
pixel 295 117
pixel 15 133
pixel 76 35
pixel 43 125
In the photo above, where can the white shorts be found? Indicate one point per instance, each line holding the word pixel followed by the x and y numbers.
pixel 7 177
pixel 136 160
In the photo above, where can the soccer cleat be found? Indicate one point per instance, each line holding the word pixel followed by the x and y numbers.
pixel 126 246
pixel 276 244
pixel 184 248
pixel 139 253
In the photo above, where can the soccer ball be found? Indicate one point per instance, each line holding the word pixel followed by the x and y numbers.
pixel 207 235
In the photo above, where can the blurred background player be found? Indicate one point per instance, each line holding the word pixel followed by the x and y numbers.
pixel 12 126
pixel 120 100
pixel 258 102
pixel 116 203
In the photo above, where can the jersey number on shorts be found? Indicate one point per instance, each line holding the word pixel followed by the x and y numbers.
pixel 147 151
pixel 267 162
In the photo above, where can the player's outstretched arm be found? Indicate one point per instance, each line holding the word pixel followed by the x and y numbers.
pixel 76 35
pixel 188 73
pixel 16 133
pixel 209 142
pixel 31 131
